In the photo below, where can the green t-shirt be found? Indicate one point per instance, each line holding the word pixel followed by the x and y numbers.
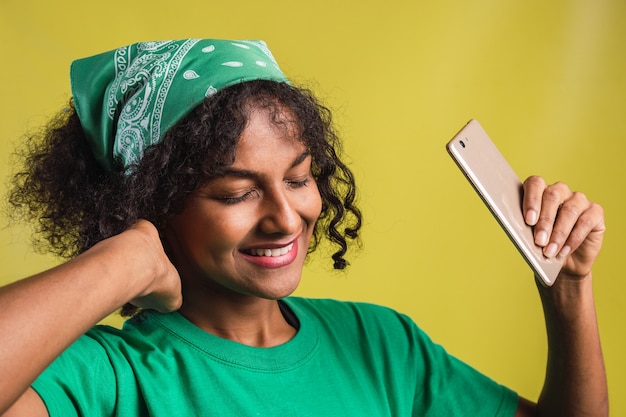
pixel 347 359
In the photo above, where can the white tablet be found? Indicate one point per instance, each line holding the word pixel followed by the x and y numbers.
pixel 501 191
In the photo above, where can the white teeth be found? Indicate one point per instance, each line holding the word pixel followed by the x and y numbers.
pixel 271 252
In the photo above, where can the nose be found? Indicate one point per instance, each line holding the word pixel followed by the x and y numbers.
pixel 280 214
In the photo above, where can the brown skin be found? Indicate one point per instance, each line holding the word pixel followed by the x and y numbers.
pixel 96 284
pixel 575 380
pixel 267 199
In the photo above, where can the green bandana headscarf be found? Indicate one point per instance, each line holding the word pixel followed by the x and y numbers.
pixel 128 98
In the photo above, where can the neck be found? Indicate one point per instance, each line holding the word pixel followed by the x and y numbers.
pixel 245 319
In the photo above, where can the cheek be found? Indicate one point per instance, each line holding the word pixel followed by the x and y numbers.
pixel 215 234
pixel 227 231
pixel 313 204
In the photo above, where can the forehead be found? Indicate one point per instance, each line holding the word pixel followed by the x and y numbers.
pixel 270 135
pixel 274 112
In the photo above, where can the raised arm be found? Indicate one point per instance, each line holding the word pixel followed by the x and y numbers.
pixel 42 315
pixel 568 225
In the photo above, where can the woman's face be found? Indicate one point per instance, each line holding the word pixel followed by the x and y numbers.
pixel 248 231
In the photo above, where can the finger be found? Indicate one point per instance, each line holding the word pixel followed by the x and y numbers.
pixel 567 217
pixel 590 221
pixel 551 200
pixel 531 203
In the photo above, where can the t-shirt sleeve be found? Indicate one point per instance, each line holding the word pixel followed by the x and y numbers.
pixel 450 387
pixel 80 382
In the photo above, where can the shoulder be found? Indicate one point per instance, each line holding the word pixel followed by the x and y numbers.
pixel 108 342
pixel 328 306
pixel 355 318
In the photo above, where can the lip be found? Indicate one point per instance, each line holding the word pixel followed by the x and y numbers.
pixel 273 262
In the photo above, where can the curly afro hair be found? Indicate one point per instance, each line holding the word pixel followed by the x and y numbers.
pixel 76 203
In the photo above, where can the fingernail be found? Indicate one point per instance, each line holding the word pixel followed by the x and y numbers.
pixel 531 217
pixel 541 238
pixel 565 250
pixel 550 250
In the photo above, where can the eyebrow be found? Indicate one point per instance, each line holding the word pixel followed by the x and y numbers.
pixel 244 173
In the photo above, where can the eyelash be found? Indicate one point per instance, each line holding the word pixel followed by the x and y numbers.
pixel 298 184
pixel 235 200
pixel 248 194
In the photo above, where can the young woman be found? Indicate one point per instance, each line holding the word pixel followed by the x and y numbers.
pixel 188 181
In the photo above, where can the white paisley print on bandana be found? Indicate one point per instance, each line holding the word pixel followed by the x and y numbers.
pixel 129 97
pixel 145 81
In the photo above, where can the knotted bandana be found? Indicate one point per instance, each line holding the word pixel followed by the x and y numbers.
pixel 128 98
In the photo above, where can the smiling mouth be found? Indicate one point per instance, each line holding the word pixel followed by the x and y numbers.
pixel 271 252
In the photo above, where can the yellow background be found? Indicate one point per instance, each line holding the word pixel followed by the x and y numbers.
pixel 547 79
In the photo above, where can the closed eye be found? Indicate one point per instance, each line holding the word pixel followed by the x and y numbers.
pixel 241 198
pixel 298 184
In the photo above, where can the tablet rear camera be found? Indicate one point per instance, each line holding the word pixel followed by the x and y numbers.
pixel 462 144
